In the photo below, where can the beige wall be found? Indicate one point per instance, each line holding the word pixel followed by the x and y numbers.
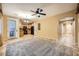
pixel 4 32
pixel 49 25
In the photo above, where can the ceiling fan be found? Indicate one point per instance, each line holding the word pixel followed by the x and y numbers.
pixel 38 12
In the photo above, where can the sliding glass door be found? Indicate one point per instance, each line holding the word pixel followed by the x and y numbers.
pixel 12 29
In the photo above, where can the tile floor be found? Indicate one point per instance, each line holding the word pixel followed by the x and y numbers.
pixel 2 49
pixel 27 37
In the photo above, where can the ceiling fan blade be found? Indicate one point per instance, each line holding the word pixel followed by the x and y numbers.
pixel 42 13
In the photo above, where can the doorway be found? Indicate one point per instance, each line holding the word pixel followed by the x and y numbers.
pixel 25 30
pixel 67 32
pixel 32 30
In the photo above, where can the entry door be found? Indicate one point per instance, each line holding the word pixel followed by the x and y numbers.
pixel 67 32
pixel 12 29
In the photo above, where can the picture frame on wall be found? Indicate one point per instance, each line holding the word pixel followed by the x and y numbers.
pixel 39 26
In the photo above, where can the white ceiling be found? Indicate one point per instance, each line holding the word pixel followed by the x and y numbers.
pixel 23 9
